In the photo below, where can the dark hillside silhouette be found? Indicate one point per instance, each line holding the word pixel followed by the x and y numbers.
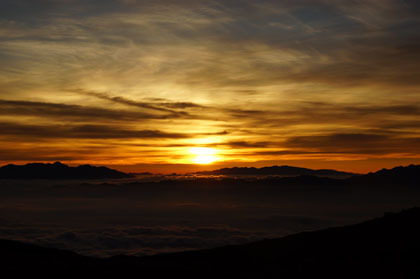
pixel 385 247
pixel 58 170
pixel 408 175
pixel 277 170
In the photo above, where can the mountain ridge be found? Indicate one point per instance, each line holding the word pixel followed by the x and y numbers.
pixel 284 170
pixel 58 170
pixel 398 175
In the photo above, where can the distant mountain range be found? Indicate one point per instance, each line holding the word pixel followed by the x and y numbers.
pixel 409 174
pixel 385 247
pixel 58 170
pixel 278 170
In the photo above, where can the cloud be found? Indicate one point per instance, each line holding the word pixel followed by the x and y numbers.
pixel 246 144
pixel 134 240
pixel 70 111
pixel 125 101
pixel 83 132
pixel 373 64
pixel 146 240
pixel 362 115
pixel 44 154
pixel 293 223
pixel 269 73
pixel 356 143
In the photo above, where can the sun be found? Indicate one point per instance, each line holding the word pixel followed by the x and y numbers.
pixel 203 155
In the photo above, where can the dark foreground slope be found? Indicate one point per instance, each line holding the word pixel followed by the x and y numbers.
pixel 386 247
pixel 58 171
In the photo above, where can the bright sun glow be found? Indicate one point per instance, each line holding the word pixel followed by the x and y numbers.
pixel 203 155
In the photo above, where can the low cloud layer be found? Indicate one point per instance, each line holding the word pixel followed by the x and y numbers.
pixel 134 240
pixel 141 240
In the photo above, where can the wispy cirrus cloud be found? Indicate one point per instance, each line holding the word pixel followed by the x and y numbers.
pixel 83 131
pixel 268 72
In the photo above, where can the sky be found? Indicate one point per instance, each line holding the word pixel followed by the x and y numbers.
pixel 166 86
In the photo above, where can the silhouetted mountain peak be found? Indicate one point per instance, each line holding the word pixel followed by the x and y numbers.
pixel 58 170
pixel 283 170
pixel 400 170
pixel 399 175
